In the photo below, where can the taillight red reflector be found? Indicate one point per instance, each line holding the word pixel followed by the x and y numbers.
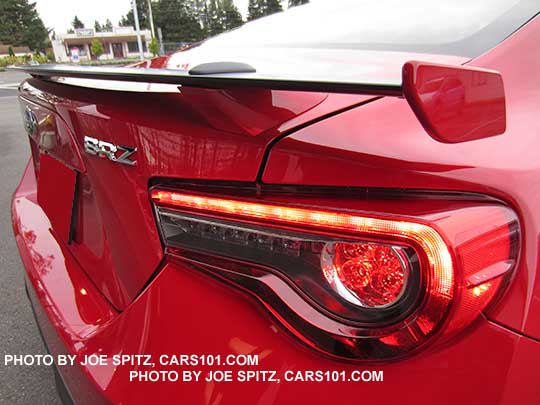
pixel 365 274
pixel 432 243
pixel 389 282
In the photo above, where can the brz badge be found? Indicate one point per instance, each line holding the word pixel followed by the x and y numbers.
pixel 110 151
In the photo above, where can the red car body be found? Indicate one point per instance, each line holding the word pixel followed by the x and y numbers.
pixel 101 281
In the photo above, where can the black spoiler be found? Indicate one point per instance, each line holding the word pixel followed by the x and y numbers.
pixel 194 78
pixel 446 99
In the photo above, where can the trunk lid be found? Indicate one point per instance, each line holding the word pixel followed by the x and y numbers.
pixel 191 133
pixel 186 133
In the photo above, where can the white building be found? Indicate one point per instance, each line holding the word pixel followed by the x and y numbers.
pixel 121 43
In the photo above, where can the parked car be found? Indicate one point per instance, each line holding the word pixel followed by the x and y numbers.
pixel 334 204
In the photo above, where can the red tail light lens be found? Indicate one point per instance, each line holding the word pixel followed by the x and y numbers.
pixel 356 285
pixel 367 275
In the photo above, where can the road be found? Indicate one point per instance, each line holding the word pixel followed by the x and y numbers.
pixel 18 331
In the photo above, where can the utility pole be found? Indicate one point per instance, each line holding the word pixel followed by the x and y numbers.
pixel 151 17
pixel 137 28
pixel 160 37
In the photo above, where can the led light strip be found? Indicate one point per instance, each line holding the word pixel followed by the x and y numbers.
pixel 429 239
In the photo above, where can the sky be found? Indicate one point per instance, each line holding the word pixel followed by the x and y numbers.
pixel 58 14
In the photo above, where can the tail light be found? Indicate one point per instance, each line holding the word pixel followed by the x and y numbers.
pixel 354 284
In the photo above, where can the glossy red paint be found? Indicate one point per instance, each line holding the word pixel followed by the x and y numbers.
pixel 397 153
pixel 455 104
pixel 113 290
pixel 491 356
pixel 83 324
pixel 52 135
pixel 457 275
pixel 56 192
pixel 105 232
pixel 155 63
pixel 196 134
pixel 76 308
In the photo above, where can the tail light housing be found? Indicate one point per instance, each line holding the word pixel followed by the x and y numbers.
pixel 353 283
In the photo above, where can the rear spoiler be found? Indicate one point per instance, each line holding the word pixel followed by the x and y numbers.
pixel 453 103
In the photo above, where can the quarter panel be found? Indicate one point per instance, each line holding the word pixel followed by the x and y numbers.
pixel 383 145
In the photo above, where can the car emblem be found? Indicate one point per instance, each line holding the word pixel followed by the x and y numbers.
pixel 30 121
pixel 110 151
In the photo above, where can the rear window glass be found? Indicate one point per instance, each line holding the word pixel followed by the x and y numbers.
pixel 451 27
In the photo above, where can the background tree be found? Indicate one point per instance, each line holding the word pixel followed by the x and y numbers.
pixel 129 21
pixel 215 16
pixel 273 6
pixel 199 9
pixel 255 9
pixel 96 48
pixel 293 3
pixel 108 27
pixel 213 19
pixel 97 26
pixel 261 8
pixel 153 47
pixel 177 21
pixel 76 23
pixel 231 16
pixel 20 25
pixel 189 20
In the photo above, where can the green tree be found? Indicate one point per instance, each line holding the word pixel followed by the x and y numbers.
pixel 76 23
pixel 293 3
pixel 215 16
pixel 199 9
pixel 108 27
pixel 153 47
pixel 273 6
pixel 230 14
pixel 255 9
pixel 261 8
pixel 96 48
pixel 177 21
pixel 97 26
pixel 213 19
pixel 20 25
pixel 129 21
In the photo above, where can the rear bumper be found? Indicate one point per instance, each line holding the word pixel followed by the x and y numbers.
pixel 185 312
pixel 61 388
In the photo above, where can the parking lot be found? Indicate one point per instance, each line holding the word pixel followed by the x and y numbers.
pixel 18 331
